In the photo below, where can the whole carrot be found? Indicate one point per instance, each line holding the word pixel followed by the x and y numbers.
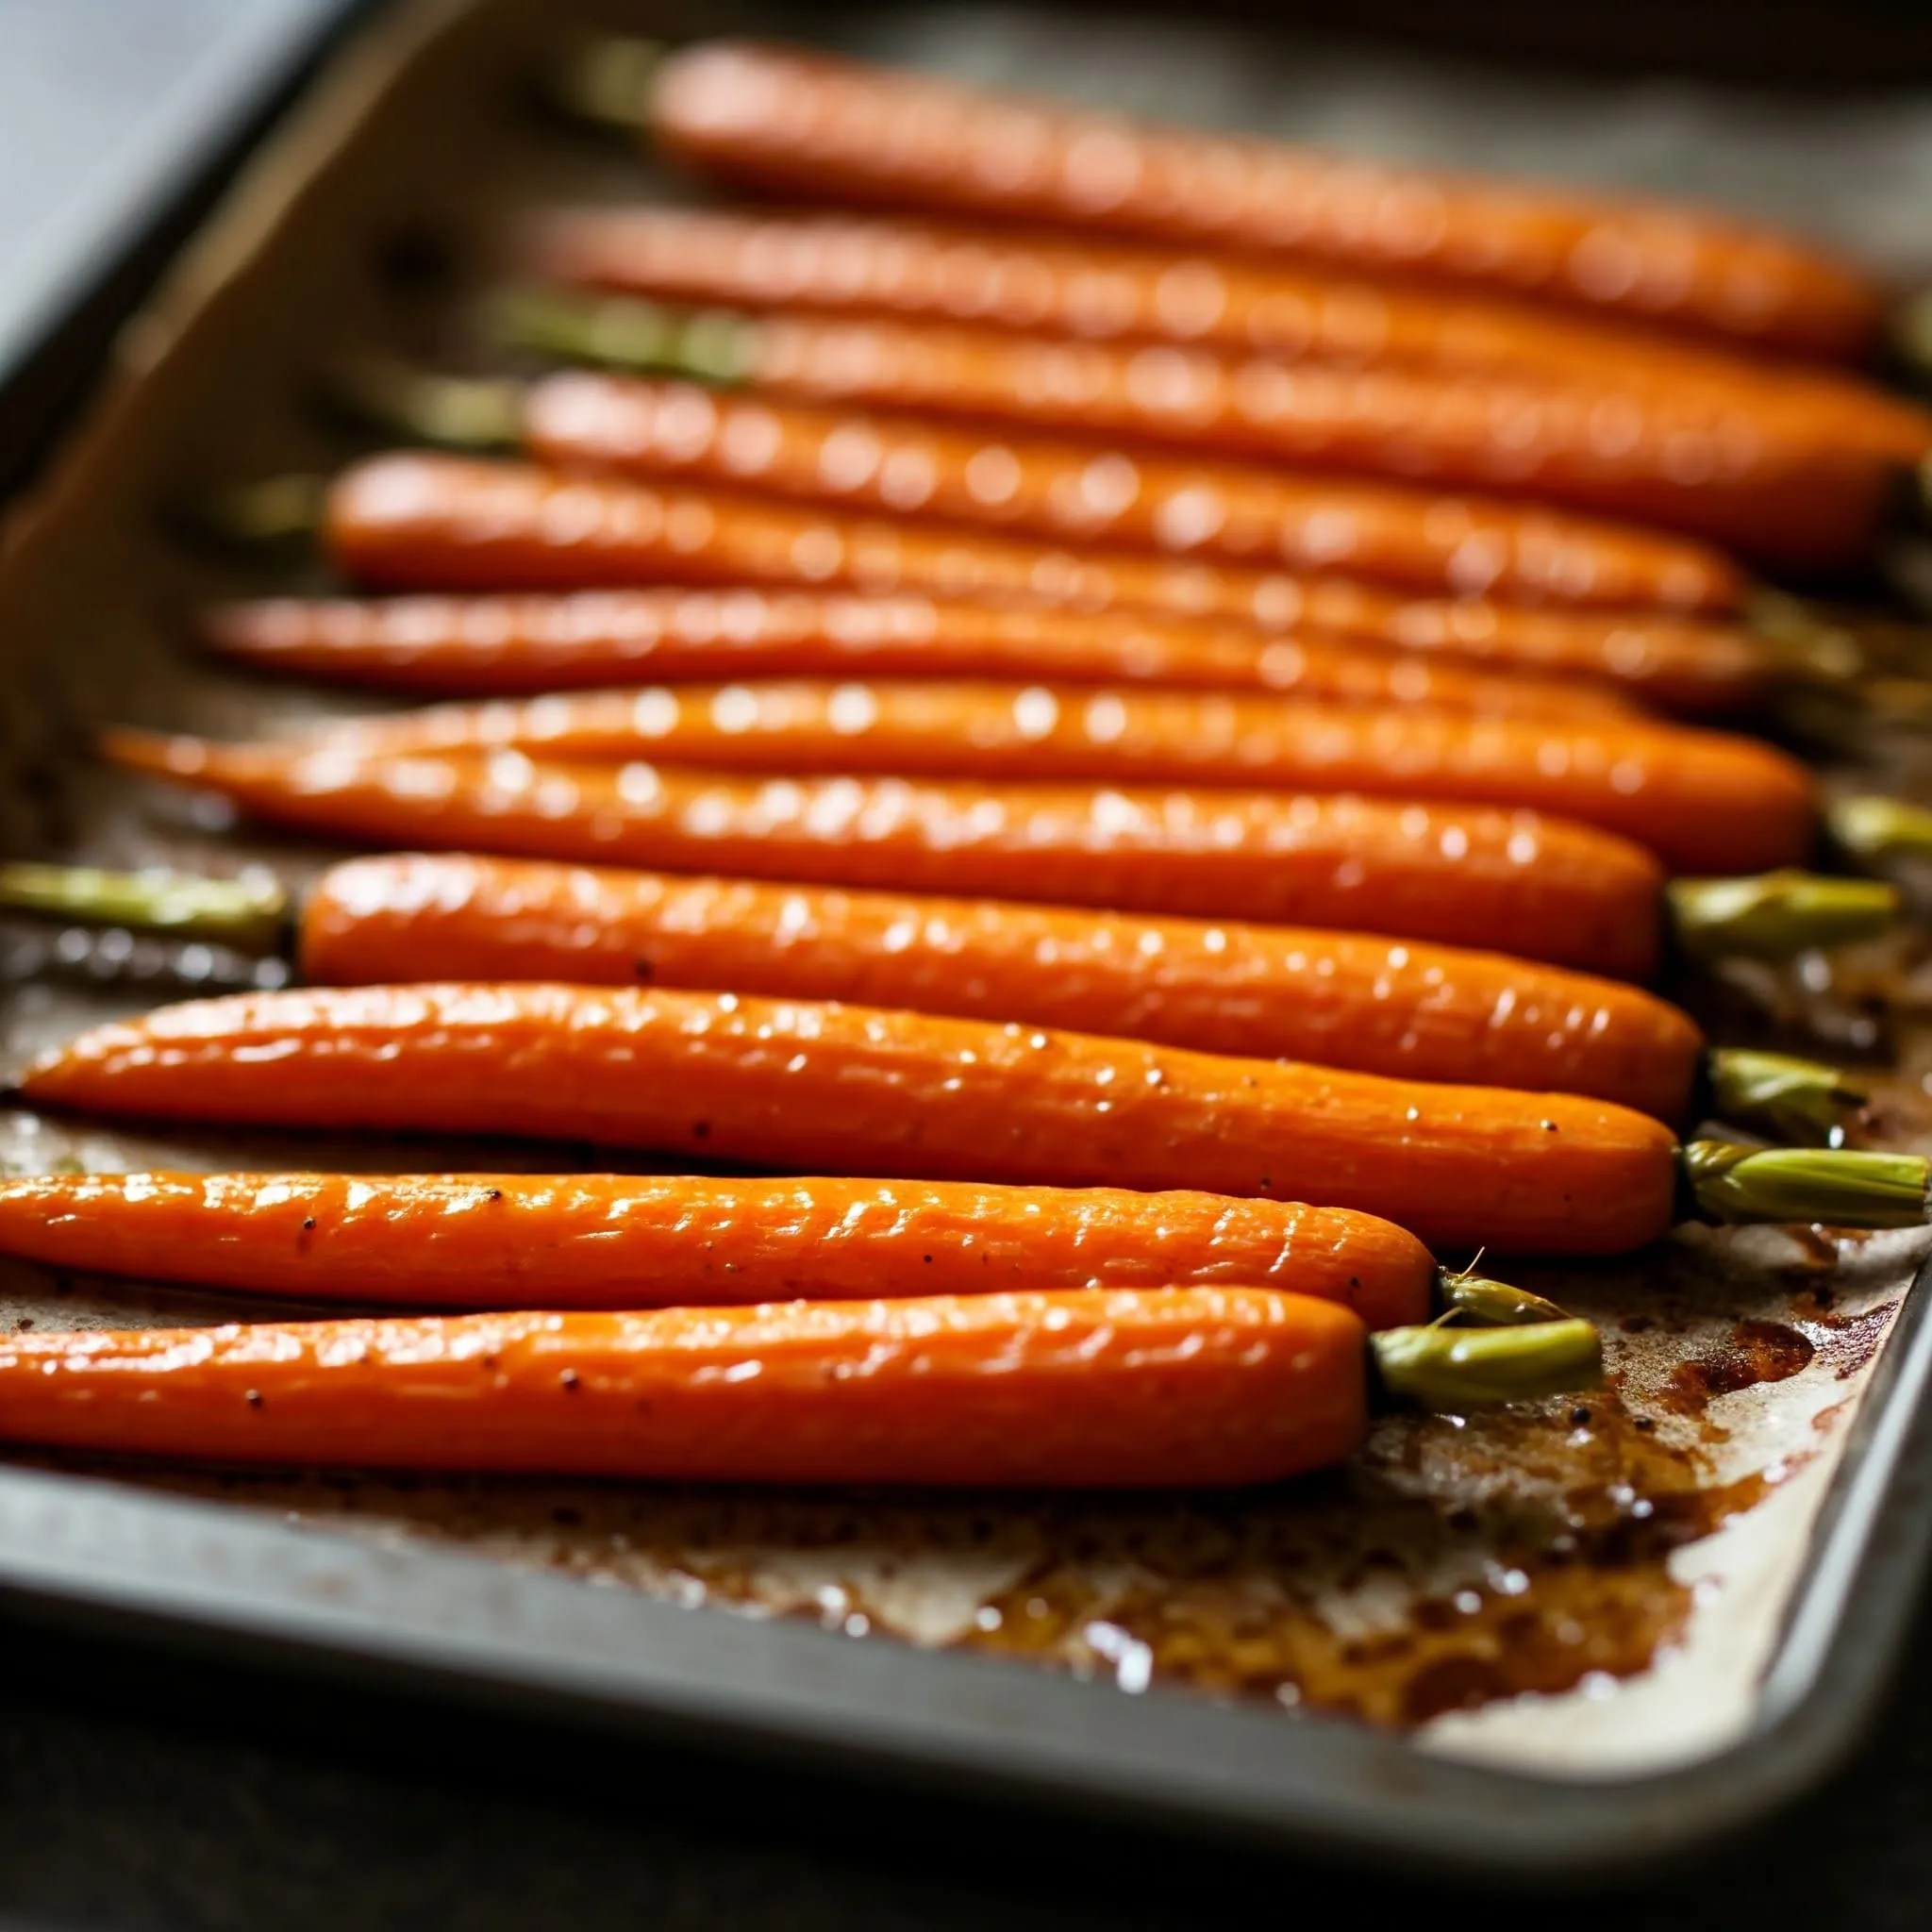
pixel 1060 285
pixel 511 645
pixel 412 521
pixel 598 1241
pixel 866 1090
pixel 1700 801
pixel 1088 1388
pixel 1403 1009
pixel 1057 487
pixel 1542 888
pixel 1789 494
pixel 836 130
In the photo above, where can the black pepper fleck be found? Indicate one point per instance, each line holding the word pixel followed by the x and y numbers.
pixel 701 1129
pixel 254 1398
pixel 569 1378
pixel 1579 1415
pixel 308 1223
pixel 496 1193
pixel 1549 1126
pixel 644 968
pixel 1645 1423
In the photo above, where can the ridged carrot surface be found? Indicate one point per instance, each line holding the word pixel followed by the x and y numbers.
pixel 1058 285
pixel 1276 993
pixel 595 1240
pixel 412 520
pixel 1706 464
pixel 1069 492
pixel 1538 889
pixel 508 644
pixel 1704 802
pixel 863 1090
pixel 835 131
pixel 1091 1388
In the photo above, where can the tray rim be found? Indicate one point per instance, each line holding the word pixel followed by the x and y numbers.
pixel 145 1566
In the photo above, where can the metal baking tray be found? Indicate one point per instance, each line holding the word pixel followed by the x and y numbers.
pixel 362 220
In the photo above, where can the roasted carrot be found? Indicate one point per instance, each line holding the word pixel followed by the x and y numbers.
pixel 597 1241
pixel 1088 1388
pixel 1060 285
pixel 866 1090
pixel 1702 801
pixel 1706 464
pixel 1542 889
pixel 841 131
pixel 425 522
pixel 1404 1009
pixel 513 645
pixel 1547 891
pixel 1057 487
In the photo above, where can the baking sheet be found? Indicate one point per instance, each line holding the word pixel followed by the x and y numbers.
pixel 1581 1589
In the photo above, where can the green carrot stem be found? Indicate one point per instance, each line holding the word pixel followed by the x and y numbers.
pixel 250 917
pixel 624 332
pixel 1492 1304
pixel 276 514
pixel 1777 915
pixel 1839 1187
pixel 452 411
pixel 605 79
pixel 1876 828
pixel 1460 1369
pixel 1797 1099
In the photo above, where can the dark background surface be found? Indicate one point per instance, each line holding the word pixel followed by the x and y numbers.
pixel 140 1792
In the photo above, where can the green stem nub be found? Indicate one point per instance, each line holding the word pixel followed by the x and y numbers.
pixel 1492 1304
pixel 1805 641
pixel 1879 828
pixel 1777 915
pixel 452 411
pixel 624 332
pixel 1837 1187
pixel 605 78
pixel 279 512
pixel 251 918
pixel 1779 1093
pixel 1457 1370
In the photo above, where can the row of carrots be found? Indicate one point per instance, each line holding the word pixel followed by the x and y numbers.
pixel 1103 785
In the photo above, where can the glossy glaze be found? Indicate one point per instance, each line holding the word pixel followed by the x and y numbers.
pixel 1536 887
pixel 427 521
pixel 1288 992
pixel 1090 1389
pixel 1704 802
pixel 1702 463
pixel 1070 491
pixel 1060 285
pixel 839 130
pixel 509 644
pixel 862 1090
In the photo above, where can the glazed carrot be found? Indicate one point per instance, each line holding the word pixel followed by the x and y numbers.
pixel 1403 1009
pixel 839 130
pixel 513 645
pixel 1706 464
pixel 1057 285
pixel 1544 890
pixel 1702 801
pixel 865 1090
pixel 425 522
pixel 1058 489
pixel 1083 1389
pixel 635 1241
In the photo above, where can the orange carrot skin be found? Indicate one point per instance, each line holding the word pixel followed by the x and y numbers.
pixel 1090 1389
pixel 1068 491
pixel 655 1241
pixel 412 520
pixel 865 1090
pixel 1535 888
pixel 818 128
pixel 1706 465
pixel 1401 1009
pixel 512 645
pixel 1702 801
pixel 1062 286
